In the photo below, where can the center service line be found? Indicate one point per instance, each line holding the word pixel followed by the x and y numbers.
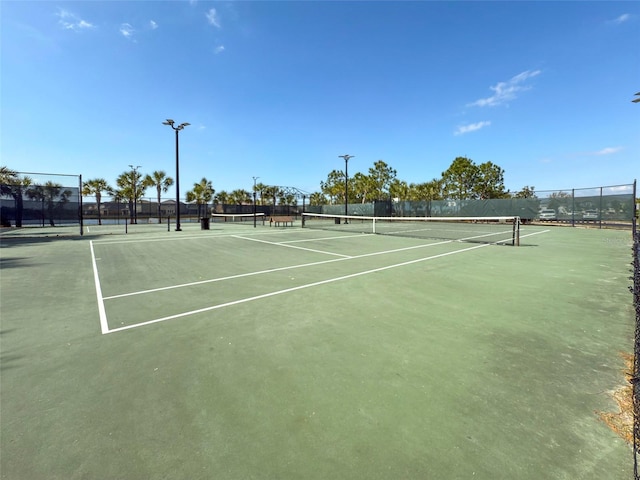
pixel 293 289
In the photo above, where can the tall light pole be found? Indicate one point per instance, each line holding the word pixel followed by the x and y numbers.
pixel 346 182
pixel 177 129
pixel 134 181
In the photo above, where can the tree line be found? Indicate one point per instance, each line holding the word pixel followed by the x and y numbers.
pixel 464 179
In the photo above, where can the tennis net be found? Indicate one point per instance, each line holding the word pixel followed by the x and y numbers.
pixel 499 230
pixel 241 218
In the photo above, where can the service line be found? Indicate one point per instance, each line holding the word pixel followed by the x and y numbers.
pixel 293 289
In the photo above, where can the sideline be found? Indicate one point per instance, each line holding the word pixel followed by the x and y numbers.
pixel 104 325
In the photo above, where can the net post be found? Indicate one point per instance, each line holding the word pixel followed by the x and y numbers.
pixel 254 206
pixel 516 227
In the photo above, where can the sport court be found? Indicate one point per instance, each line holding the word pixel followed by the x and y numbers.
pixel 242 352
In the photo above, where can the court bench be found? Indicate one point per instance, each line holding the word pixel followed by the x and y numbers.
pixel 284 219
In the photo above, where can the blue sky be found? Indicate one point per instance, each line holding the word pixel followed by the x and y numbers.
pixel 278 90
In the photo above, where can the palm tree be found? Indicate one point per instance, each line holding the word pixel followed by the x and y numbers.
pixel 53 195
pixel 36 192
pixel 7 176
pixel 11 184
pixel 131 188
pixel 260 188
pixel 162 183
pixel 271 192
pixel 222 198
pixel 240 196
pixel 202 194
pixel 95 187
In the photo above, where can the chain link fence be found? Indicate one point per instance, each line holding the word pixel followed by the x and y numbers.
pixel 149 210
pixel 635 380
pixel 611 206
pixel 41 199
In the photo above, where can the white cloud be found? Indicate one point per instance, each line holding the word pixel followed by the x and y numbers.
pixel 607 151
pixel 218 49
pixel 506 91
pixel 625 17
pixel 70 21
pixel 212 17
pixel 127 30
pixel 153 24
pixel 472 127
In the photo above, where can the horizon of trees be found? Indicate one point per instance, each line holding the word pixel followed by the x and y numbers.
pixel 463 179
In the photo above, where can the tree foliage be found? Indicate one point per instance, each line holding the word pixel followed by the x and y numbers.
pixel 13 185
pixel 465 180
pixel 526 192
pixel 240 196
pixel 201 193
pixel 381 176
pixel 159 180
pixel 95 187
pixel 131 188
pixel 52 196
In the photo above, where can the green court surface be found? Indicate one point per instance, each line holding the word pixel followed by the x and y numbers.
pixel 286 353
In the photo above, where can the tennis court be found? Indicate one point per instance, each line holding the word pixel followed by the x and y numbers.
pixel 241 352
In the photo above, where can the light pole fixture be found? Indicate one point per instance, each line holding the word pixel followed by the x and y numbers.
pixel 346 183
pixel 134 181
pixel 177 129
pixel 636 100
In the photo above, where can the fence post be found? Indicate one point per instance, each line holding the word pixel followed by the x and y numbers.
pixel 80 206
pixel 600 210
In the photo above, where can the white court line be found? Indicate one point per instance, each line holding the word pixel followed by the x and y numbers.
pixel 292 246
pixel 104 325
pixel 293 289
pixel 328 238
pixel 221 279
pixel 534 233
pixel 271 270
pixel 103 320
pixel 192 237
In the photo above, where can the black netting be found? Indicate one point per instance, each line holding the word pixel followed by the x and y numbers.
pixel 39 205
